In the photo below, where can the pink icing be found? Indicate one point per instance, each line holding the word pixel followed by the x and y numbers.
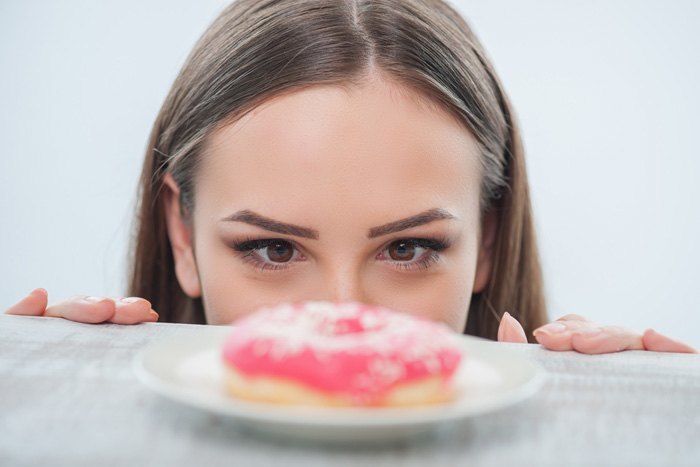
pixel 354 349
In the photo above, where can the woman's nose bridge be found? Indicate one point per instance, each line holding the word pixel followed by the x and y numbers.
pixel 343 283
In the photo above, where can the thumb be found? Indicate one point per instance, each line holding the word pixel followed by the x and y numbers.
pixel 510 330
pixel 33 304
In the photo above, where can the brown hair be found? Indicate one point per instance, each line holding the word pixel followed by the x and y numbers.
pixel 257 49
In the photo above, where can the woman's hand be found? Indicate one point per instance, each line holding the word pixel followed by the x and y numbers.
pixel 86 309
pixel 573 332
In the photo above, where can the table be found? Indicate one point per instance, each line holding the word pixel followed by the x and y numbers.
pixel 69 396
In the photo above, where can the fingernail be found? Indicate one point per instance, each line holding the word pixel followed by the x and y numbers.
pixel 154 315
pixel 551 328
pixel 93 299
pixel 508 317
pixel 130 299
pixel 589 332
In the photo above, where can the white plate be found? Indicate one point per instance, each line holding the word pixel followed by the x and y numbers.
pixel 188 370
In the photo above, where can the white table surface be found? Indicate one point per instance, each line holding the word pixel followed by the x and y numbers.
pixel 69 396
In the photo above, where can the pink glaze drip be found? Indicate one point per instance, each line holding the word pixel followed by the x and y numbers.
pixel 358 350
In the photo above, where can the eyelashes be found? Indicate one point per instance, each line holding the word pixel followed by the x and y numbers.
pixel 257 244
pixel 255 251
pixel 424 253
pixel 406 254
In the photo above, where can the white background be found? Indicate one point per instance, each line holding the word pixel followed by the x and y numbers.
pixel 606 93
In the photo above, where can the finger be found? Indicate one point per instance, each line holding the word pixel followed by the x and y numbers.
pixel 557 334
pixel 510 330
pixel 33 304
pixel 657 342
pixel 573 317
pixel 594 339
pixel 133 310
pixel 83 309
pixel 554 336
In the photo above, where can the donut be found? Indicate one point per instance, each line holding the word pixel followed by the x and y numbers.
pixel 340 354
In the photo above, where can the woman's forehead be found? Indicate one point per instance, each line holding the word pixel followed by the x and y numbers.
pixel 368 145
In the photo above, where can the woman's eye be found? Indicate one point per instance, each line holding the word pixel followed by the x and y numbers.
pixel 278 252
pixel 403 250
pixel 413 253
pixel 267 254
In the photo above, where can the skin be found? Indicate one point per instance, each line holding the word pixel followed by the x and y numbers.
pixel 339 166
pixel 345 168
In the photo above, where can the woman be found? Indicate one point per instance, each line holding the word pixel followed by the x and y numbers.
pixel 342 150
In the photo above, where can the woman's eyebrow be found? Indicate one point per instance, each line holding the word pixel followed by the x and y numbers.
pixel 424 217
pixel 252 218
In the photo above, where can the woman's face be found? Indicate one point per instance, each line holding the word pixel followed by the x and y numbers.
pixel 366 194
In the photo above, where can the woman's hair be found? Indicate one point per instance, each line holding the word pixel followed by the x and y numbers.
pixel 257 49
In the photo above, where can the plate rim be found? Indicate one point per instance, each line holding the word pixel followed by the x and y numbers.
pixel 328 417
